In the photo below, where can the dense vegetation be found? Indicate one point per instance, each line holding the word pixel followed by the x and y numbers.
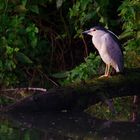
pixel 42 39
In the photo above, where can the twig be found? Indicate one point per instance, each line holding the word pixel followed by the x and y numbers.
pixel 26 89
pixel 85 45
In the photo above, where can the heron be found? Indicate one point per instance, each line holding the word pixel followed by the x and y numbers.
pixel 109 48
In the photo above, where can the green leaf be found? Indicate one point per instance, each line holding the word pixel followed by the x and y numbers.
pixel 23 58
pixel 24 2
pixel 34 9
pixel 27 135
pixel 126 34
pixel 34 42
pixel 2 4
pixel 20 9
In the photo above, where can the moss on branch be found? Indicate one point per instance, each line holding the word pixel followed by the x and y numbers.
pixel 80 96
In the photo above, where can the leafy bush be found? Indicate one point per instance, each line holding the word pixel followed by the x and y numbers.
pixel 16 34
pixel 83 12
pixel 129 12
pixel 85 70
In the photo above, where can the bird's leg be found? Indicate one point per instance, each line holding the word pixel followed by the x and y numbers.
pixel 107 74
pixel 106 69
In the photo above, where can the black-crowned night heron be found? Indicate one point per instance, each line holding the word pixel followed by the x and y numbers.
pixel 109 48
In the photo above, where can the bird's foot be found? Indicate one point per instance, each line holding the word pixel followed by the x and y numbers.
pixel 104 76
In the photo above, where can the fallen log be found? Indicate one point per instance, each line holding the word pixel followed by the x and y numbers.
pixel 79 96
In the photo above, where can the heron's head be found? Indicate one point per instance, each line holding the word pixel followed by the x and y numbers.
pixel 95 30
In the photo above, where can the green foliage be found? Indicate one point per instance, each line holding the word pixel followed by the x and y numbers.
pixel 129 12
pixel 39 37
pixel 85 70
pixel 83 12
pixel 23 58
pixel 31 31
pixel 16 34
pixel 12 131
pixel 122 106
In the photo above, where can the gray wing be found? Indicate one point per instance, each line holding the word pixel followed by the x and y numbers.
pixel 113 50
pixel 116 39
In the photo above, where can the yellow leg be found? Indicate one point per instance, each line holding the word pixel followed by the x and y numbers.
pixel 107 72
pixel 106 69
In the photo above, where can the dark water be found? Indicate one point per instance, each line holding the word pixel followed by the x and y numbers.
pixel 64 126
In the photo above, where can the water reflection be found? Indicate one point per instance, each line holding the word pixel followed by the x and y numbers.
pixel 64 126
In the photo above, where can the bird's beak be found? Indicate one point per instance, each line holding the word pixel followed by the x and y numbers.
pixel 86 32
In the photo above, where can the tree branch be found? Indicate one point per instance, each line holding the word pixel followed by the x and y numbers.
pixel 81 95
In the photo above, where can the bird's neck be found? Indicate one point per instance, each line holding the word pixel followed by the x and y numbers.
pixel 97 40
